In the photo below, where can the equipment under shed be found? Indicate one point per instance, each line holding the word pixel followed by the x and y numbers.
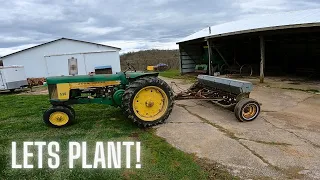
pixel 275 44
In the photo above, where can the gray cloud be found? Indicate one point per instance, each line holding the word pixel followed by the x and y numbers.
pixel 143 24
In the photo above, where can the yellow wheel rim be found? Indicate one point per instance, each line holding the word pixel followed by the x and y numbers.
pixel 150 103
pixel 59 118
pixel 249 111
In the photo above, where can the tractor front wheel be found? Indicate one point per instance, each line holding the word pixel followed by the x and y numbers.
pixel 148 101
pixel 58 116
pixel 72 110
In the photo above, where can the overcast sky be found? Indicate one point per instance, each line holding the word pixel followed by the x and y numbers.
pixel 129 24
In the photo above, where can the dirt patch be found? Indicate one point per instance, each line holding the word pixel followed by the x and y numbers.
pixel 214 170
pixel 37 90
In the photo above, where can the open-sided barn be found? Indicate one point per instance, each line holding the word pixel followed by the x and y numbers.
pixel 281 43
pixel 53 58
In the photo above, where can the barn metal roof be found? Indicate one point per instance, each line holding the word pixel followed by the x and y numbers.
pixel 55 41
pixel 283 20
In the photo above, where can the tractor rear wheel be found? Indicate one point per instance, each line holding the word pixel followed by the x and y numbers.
pixel 148 101
pixel 58 116
pixel 247 109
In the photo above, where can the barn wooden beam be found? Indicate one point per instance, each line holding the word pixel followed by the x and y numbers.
pixel 209 55
pixel 262 60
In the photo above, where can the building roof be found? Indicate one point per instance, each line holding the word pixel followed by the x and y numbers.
pixel 59 40
pixel 275 21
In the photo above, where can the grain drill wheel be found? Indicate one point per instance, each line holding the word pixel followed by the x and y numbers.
pixel 247 109
pixel 58 116
pixel 148 101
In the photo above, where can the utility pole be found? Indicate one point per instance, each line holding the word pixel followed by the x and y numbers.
pixel 262 61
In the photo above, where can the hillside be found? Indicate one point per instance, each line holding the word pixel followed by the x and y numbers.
pixel 141 59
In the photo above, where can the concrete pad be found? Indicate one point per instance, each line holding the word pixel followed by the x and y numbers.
pixel 283 142
pixel 301 119
pixel 177 84
pixel 180 115
pixel 208 142
pixel 257 130
pixel 189 103
pixel 274 99
pixel 303 159
pixel 308 110
pixel 312 137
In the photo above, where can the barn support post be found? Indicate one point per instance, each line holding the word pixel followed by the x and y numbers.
pixel 209 54
pixel 180 62
pixel 262 60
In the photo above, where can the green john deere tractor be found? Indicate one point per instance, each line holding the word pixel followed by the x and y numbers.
pixel 143 97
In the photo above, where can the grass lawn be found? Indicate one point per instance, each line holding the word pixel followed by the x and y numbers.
pixel 21 120
pixel 171 73
pixel 175 74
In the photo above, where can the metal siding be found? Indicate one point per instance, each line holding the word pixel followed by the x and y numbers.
pixel 2 81
pixel 58 65
pixel 188 61
pixel 259 22
pixel 190 56
pixel 188 70
pixel 187 65
pixel 13 74
pixel 12 78
pixel 34 62
pixel 103 59
pixel 17 84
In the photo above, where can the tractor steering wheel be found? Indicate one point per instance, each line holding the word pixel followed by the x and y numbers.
pixel 130 67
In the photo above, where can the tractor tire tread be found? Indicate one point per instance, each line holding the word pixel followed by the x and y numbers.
pixel 72 110
pixel 134 87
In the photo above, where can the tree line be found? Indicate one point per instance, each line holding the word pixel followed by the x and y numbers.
pixel 141 59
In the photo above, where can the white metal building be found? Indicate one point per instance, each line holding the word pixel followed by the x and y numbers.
pixel 52 58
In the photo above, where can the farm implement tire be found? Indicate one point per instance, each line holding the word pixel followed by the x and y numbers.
pixel 58 116
pixel 247 109
pixel 148 101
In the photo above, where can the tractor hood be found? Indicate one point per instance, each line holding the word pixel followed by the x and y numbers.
pixel 98 77
pixel 83 78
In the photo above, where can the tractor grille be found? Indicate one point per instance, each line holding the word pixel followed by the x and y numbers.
pixel 53 93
